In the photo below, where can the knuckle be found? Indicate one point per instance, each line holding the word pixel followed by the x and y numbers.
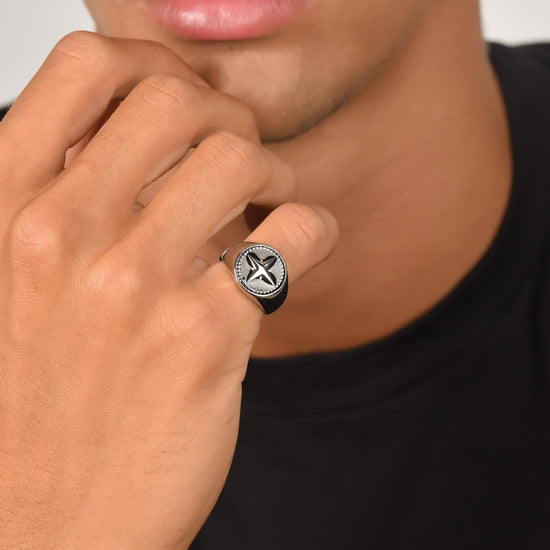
pixel 34 241
pixel 190 319
pixel 114 281
pixel 169 94
pixel 188 327
pixel 83 170
pixel 202 316
pixel 235 154
pixel 82 49
pixel 230 304
pixel 302 226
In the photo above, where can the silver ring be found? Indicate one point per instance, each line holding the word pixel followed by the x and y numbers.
pixel 260 271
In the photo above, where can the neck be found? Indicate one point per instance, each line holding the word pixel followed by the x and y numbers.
pixel 417 170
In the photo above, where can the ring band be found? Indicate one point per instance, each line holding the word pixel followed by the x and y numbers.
pixel 260 271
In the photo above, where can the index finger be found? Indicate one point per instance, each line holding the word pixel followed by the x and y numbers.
pixel 71 91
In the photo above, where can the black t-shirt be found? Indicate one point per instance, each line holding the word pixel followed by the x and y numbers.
pixel 437 437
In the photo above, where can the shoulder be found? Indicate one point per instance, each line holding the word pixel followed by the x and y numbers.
pixel 537 53
pixel 523 73
pixel 525 70
pixel 524 76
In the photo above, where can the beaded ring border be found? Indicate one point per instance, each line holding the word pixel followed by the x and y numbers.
pixel 260 271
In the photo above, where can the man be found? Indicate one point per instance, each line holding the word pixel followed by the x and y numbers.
pixel 398 399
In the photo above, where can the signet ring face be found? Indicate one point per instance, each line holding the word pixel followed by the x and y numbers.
pixel 260 271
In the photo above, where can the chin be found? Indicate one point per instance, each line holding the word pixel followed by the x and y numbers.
pixel 282 111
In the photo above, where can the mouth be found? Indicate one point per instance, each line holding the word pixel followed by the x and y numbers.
pixel 224 19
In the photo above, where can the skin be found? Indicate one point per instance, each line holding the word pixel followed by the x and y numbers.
pixel 386 113
pixel 122 351
pixel 391 117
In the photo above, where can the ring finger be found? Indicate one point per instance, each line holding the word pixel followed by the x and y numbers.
pixel 303 235
pixel 206 192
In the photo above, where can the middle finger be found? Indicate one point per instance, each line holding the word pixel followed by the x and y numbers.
pixel 149 133
pixel 206 192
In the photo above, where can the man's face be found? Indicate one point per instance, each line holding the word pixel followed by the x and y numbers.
pixel 292 77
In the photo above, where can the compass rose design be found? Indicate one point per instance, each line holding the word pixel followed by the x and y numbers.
pixel 260 269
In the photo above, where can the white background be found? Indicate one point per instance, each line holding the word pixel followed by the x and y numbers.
pixel 29 29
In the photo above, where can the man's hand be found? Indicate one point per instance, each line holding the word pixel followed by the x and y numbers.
pixel 121 352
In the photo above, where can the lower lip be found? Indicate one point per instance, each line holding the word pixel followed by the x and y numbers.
pixel 225 19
